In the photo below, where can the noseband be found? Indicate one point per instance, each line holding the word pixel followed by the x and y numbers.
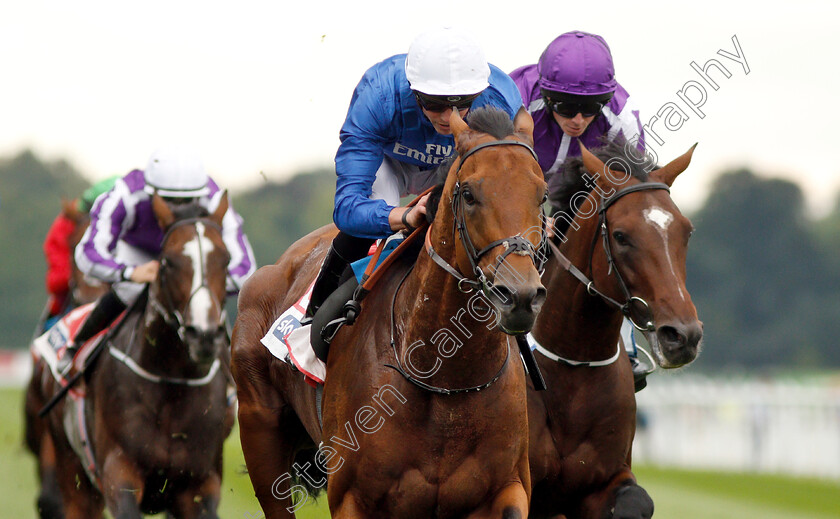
pixel 512 244
pixel 171 315
pixel 631 302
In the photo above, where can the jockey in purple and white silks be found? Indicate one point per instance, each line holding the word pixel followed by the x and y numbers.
pixel 396 137
pixel 124 239
pixel 573 97
pixel 124 233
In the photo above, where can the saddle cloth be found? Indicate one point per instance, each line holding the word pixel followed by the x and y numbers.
pixel 288 340
pixel 51 346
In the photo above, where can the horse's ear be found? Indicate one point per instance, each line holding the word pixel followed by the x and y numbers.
pixel 69 208
pixel 457 124
pixel 163 213
pixel 220 211
pixel 523 126
pixel 598 169
pixel 669 172
pixel 592 163
pixel 464 137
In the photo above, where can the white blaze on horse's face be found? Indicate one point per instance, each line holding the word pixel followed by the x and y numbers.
pixel 201 300
pixel 661 219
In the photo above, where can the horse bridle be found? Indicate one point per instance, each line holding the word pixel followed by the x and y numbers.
pixel 634 306
pixel 171 315
pixel 513 244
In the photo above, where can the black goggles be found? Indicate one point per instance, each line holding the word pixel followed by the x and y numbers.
pixel 569 109
pixel 443 103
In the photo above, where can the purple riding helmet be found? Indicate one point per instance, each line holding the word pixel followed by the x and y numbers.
pixel 577 74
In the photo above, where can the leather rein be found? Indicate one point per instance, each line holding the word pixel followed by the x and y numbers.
pixel 634 308
pixel 513 245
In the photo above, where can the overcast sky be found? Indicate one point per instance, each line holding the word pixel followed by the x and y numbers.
pixel 263 86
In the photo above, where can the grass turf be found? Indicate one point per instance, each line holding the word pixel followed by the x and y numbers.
pixel 678 494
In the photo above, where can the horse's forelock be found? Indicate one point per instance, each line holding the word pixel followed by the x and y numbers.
pixel 488 120
pixel 491 120
pixel 191 210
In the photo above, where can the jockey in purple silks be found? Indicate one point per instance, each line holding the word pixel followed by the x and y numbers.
pixel 124 238
pixel 573 97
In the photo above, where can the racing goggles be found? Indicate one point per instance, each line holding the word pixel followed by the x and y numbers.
pixel 443 103
pixel 570 109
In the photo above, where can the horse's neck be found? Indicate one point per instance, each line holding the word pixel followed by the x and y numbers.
pixel 573 323
pixel 442 331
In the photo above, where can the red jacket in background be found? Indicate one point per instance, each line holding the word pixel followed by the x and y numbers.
pixel 57 252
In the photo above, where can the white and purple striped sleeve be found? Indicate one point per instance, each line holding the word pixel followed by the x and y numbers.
pixel 94 254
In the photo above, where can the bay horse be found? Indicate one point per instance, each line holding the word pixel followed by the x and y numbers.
pixel 82 290
pixel 424 406
pixel 153 410
pixel 629 239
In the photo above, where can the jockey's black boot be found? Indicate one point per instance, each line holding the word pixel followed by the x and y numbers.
pixel 106 310
pixel 344 250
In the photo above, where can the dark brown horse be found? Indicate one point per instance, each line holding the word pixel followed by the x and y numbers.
pixel 629 239
pixel 154 407
pixel 452 441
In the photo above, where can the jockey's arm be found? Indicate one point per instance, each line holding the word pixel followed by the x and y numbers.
pixel 94 254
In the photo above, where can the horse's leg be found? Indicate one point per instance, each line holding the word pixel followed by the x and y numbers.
pixel 80 499
pixel 200 500
pixel 39 441
pixel 510 503
pixel 622 498
pixel 348 508
pixel 49 500
pixel 122 485
pixel 268 456
pixel 269 430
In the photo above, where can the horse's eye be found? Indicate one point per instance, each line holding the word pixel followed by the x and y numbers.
pixel 544 198
pixel 469 199
pixel 620 238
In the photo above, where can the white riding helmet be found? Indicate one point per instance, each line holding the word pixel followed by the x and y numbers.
pixel 176 173
pixel 445 62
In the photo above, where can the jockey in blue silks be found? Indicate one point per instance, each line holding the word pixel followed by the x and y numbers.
pixel 396 138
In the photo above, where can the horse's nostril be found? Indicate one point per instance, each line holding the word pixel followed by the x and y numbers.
pixel 190 332
pixel 507 297
pixel 539 298
pixel 671 335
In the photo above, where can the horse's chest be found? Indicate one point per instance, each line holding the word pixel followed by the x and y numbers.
pixel 442 471
pixel 173 437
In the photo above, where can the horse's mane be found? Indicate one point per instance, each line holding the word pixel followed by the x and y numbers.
pixel 572 171
pixel 487 119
